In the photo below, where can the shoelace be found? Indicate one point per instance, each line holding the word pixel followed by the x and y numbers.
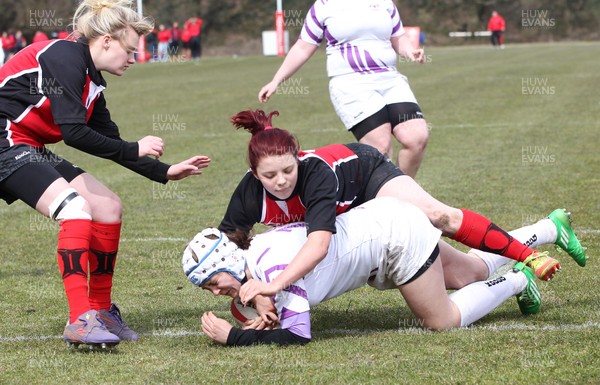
pixel 536 255
pixel 117 314
pixel 99 320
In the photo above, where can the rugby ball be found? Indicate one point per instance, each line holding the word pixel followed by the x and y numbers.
pixel 243 313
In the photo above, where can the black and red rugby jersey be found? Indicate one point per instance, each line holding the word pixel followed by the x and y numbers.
pixel 47 84
pixel 329 183
pixel 51 91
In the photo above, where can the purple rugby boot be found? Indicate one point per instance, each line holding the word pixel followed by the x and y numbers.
pixel 114 323
pixel 90 330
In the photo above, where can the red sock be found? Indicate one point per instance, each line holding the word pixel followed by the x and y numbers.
pixel 103 255
pixel 73 245
pixel 478 232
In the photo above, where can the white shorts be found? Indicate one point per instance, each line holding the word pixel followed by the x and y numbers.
pixel 410 239
pixel 355 97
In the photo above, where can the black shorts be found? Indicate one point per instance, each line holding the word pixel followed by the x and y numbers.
pixel 26 172
pixel 394 114
pixel 375 168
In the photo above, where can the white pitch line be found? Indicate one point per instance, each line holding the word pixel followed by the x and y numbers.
pixel 174 333
pixel 552 328
pixel 587 231
pixel 164 333
pixel 470 125
pixel 157 239
pixel 28 338
pixel 493 327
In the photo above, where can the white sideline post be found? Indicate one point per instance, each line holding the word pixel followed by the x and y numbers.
pixel 141 51
pixel 279 28
pixel 269 42
pixel 470 34
pixel 460 34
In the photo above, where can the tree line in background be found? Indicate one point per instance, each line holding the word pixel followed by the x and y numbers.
pixel 236 22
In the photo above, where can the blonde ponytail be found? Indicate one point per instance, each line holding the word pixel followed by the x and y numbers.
pixel 95 18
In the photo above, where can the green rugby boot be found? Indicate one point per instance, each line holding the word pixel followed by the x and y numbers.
pixel 530 299
pixel 566 238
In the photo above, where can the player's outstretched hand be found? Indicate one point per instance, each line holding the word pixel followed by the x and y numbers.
pixel 192 166
pixel 259 324
pixel 253 287
pixel 267 314
pixel 215 328
pixel 265 93
pixel 151 145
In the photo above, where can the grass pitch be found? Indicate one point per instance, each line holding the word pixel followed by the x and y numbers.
pixel 514 135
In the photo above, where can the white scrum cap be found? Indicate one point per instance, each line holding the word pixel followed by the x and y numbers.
pixel 209 253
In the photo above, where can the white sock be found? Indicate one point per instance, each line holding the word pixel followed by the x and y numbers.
pixel 542 232
pixel 479 298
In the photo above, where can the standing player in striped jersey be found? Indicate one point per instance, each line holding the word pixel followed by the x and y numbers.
pixel 52 91
pixel 385 243
pixel 373 100
pixel 287 185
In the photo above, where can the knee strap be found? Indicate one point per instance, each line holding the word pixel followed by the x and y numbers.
pixel 68 205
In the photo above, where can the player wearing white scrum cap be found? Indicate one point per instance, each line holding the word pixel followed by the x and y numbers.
pixel 286 184
pixel 209 253
pixel 385 243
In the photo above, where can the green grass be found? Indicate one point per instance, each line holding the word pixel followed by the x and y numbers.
pixel 511 153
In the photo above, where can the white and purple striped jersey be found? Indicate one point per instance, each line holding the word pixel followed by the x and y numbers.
pixel 382 242
pixel 357 33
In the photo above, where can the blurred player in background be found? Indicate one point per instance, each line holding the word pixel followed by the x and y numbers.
pixel 194 27
pixel 385 243
pixel 373 100
pixel 285 184
pixel 164 37
pixel 497 26
pixel 52 91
